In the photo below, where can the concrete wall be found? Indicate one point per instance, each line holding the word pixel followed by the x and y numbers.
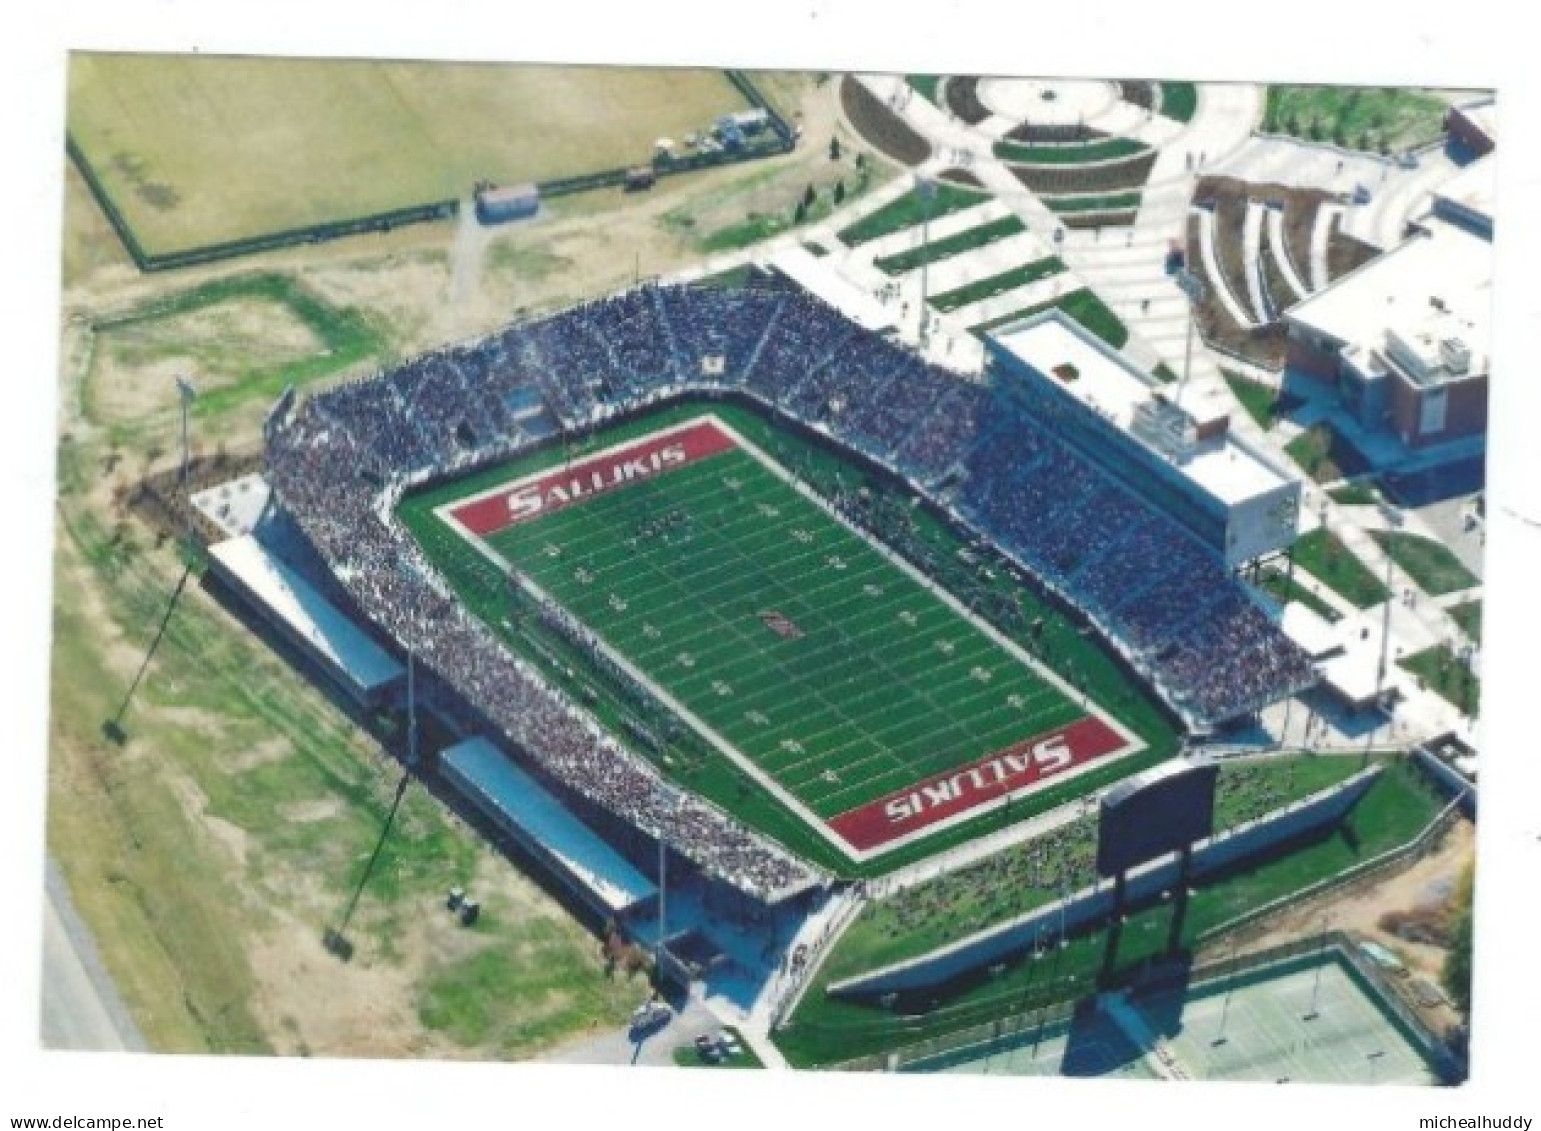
pixel 1091 904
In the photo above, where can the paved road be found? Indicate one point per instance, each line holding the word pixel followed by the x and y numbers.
pixel 615 1045
pixel 81 1006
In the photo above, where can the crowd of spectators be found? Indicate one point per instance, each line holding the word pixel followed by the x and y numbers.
pixel 341 459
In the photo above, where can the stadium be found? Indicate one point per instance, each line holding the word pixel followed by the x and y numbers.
pixel 680 553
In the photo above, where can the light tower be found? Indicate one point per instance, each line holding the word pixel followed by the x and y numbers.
pixel 187 395
pixel 1192 286
pixel 927 190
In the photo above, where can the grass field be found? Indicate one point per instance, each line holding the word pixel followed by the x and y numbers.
pixel 908 211
pixel 1368 118
pixel 1325 455
pixel 706 769
pixel 1322 554
pixel 967 240
pixel 1469 617
pixel 1083 305
pixel 1264 404
pixel 1071 205
pixel 837 675
pixel 1447 674
pixel 993 285
pixel 197 150
pixel 1107 149
pixel 1426 561
pixel 1279 585
pixel 822 1030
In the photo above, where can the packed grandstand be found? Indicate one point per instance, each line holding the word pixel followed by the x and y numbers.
pixel 341 460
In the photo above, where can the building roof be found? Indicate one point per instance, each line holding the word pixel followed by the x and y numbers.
pixel 1114 387
pixel 309 616
pixel 1404 306
pixel 821 280
pixel 1307 629
pixel 521 802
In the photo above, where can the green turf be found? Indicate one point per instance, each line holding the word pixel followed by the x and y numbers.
pixel 698 765
pixel 936 250
pixel 1369 118
pixel 1322 554
pixel 1441 670
pixel 1284 589
pixel 924 85
pixel 1430 564
pixel 1325 455
pixel 1115 202
pixel 1179 100
pixel 1083 305
pixel 887 686
pixel 823 1031
pixel 1469 617
pixel 993 285
pixel 909 210
pixel 1263 404
pixel 1106 149
pixel 688 1056
pixel 1355 494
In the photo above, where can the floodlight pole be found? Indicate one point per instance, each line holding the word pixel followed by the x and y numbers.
pixel 927 190
pixel 1316 984
pixel 1193 287
pixel 186 394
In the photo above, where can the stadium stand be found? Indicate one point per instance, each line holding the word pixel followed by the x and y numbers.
pixel 340 460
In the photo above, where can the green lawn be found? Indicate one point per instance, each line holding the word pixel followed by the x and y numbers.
pixel 936 250
pixel 1430 564
pixel 1179 100
pixel 1263 403
pixel 1106 149
pixel 1279 585
pixel 1469 617
pixel 1368 118
pixel 1070 205
pixel 1083 305
pixel 925 85
pixel 994 285
pixel 1322 554
pixel 1325 455
pixel 823 1031
pixel 1362 493
pixel 1441 670
pixel 909 210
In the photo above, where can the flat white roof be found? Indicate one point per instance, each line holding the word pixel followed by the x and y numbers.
pixel 517 798
pixel 1432 287
pixel 1353 674
pixel 234 506
pixel 310 616
pixel 1049 344
pixel 1231 474
pixel 1114 387
pixel 819 278
pixel 1314 635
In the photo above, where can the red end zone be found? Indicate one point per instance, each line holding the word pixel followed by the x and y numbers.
pixel 596 475
pixel 935 799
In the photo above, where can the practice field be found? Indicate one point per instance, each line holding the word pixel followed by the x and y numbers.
pixel 864 699
pixel 196 150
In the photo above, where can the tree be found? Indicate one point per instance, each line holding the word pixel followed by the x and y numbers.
pixel 1456 974
pixel 839 191
pixel 834 149
pixel 800 213
pixel 809 196
pixel 861 162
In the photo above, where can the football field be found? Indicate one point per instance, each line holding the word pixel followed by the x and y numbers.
pixel 865 699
